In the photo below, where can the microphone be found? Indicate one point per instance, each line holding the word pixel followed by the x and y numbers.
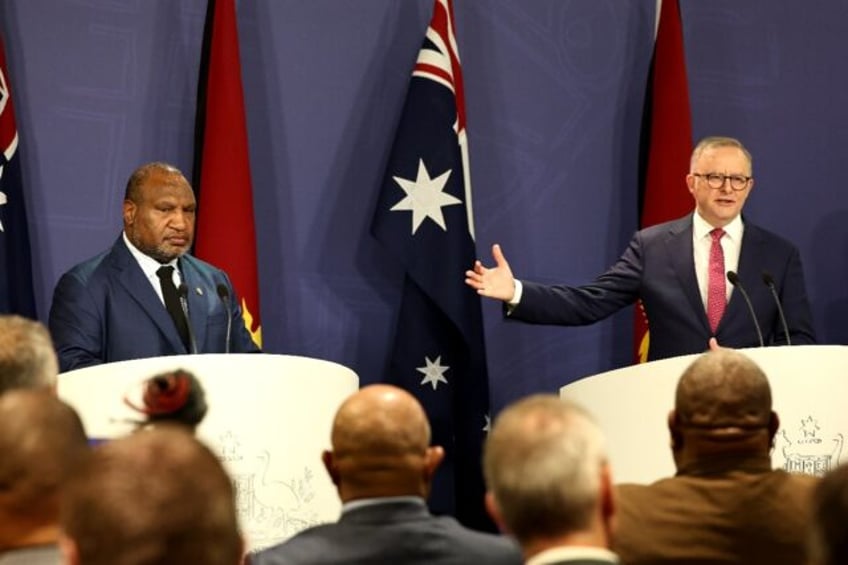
pixel 734 280
pixel 224 295
pixel 769 282
pixel 182 291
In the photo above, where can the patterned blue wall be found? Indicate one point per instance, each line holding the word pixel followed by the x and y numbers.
pixel 554 90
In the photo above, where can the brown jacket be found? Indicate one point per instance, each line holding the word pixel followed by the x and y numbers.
pixel 732 510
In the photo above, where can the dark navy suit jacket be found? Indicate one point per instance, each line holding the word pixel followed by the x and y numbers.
pixel 392 532
pixel 659 267
pixel 106 310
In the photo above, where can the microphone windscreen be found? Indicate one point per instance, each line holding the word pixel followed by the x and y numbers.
pixel 733 277
pixel 767 278
pixel 222 291
pixel 182 291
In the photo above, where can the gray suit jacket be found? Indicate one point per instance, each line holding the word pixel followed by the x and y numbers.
pixel 392 532
pixel 106 310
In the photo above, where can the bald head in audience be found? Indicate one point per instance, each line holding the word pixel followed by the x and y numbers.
pixel 154 497
pixel 382 464
pixel 41 441
pixel 548 478
pixel 722 406
pixel 381 446
pixel 27 357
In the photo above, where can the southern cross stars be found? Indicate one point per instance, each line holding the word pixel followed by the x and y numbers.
pixel 424 197
pixel 434 372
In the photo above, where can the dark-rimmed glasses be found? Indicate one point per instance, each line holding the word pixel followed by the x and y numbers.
pixel 717 180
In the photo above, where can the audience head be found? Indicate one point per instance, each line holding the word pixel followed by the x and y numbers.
pixel 381 446
pixel 157 496
pixel 829 535
pixel 27 356
pixel 41 442
pixel 159 211
pixel 722 407
pixel 547 475
pixel 173 397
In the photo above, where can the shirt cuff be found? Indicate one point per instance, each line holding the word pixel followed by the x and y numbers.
pixel 516 297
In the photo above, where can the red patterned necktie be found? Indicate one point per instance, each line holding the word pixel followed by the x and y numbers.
pixel 717 282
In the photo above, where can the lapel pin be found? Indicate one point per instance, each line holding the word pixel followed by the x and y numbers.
pixel 199 291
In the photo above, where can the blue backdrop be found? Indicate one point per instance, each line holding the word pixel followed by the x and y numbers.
pixel 554 91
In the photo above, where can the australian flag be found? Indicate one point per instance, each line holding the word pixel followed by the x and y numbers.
pixel 16 293
pixel 424 218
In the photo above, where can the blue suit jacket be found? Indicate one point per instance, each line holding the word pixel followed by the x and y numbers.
pixel 106 310
pixel 391 532
pixel 659 267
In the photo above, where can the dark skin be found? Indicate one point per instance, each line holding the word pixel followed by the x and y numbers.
pixel 381 446
pixel 159 216
pixel 722 408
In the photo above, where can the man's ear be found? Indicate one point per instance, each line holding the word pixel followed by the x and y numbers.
pixel 495 512
pixel 674 431
pixel 773 426
pixel 330 465
pixel 690 183
pixel 129 212
pixel 432 459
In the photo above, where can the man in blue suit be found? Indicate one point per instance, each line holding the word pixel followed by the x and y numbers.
pixel 113 307
pixel 668 267
pixel 382 464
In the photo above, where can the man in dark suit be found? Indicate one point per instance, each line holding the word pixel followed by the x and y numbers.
pixel 669 268
pixel 382 464
pixel 725 503
pixel 123 305
pixel 549 482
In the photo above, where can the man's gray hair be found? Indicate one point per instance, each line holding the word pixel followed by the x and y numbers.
pixel 27 356
pixel 543 463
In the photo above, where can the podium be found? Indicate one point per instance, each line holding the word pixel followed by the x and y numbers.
pixel 269 419
pixel 808 383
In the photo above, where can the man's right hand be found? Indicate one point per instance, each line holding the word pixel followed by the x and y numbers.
pixel 496 282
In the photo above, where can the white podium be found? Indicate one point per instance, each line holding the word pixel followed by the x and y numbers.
pixel 269 418
pixel 809 384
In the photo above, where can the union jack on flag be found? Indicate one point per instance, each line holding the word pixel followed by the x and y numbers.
pixel 16 292
pixel 424 217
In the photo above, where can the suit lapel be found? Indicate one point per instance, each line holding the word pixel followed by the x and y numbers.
pixel 132 279
pixel 679 248
pixel 197 301
pixel 751 248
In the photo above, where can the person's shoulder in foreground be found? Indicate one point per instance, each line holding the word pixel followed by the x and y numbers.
pixel 383 465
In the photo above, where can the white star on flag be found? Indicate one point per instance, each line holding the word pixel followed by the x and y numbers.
pixel 424 197
pixel 434 372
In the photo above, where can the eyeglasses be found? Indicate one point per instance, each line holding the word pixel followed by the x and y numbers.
pixel 716 180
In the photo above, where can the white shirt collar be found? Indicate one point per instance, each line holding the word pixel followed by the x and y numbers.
pixel 701 228
pixel 564 553
pixel 363 502
pixel 147 263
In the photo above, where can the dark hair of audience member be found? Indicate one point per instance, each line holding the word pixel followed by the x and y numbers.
pixel 157 497
pixel 172 397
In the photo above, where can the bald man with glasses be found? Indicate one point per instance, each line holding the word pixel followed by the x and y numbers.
pixel 679 270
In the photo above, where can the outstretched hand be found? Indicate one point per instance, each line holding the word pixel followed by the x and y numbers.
pixel 496 282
